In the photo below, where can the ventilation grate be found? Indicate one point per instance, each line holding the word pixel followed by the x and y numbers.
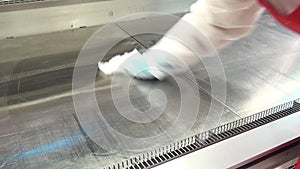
pixel 199 141
pixel 11 2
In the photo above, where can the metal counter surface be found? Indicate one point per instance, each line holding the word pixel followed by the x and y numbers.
pixel 38 128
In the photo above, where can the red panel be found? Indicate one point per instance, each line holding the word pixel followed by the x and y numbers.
pixel 298 164
pixel 290 21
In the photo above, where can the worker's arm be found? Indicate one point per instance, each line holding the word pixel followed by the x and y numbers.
pixel 220 21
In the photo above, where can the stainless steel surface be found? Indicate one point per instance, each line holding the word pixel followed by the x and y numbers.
pixel 9 2
pixel 259 68
pixel 68 17
pixel 14 5
pixel 242 149
pixel 38 129
pixel 178 149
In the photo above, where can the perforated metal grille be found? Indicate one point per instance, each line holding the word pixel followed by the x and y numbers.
pixel 11 2
pixel 291 167
pixel 199 141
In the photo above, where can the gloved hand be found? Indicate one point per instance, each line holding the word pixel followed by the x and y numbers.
pixel 155 63
pixel 210 22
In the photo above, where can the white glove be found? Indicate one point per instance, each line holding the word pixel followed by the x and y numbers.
pixel 220 21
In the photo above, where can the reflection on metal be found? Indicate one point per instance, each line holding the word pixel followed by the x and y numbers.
pixel 47 148
pixel 199 141
pixel 279 159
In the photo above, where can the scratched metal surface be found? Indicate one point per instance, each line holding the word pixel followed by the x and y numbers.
pixel 37 124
